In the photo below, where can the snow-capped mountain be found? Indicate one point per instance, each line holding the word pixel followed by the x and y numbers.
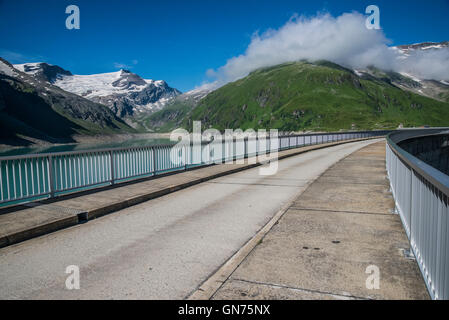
pixel 32 108
pixel 406 49
pixel 124 92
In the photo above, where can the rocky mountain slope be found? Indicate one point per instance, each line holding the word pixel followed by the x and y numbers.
pixel 174 113
pixel 406 49
pixel 33 109
pixel 438 90
pixel 124 92
pixel 431 88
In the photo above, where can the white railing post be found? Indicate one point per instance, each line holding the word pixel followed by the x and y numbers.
pixel 111 157
pixel 51 176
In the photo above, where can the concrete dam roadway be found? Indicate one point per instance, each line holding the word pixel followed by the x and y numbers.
pixel 166 247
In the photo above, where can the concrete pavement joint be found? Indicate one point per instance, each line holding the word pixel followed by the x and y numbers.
pixel 270 178
pixel 303 289
pixel 352 183
pixel 341 211
pixel 254 184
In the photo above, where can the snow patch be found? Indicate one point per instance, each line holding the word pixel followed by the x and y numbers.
pixel 357 72
pixel 96 85
pixel 432 47
pixel 6 69
pixel 410 76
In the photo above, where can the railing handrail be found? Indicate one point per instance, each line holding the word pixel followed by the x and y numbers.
pixel 434 176
pixel 101 150
pixel 28 176
pixel 421 194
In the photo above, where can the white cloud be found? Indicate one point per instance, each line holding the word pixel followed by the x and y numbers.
pixel 118 65
pixel 207 86
pixel 344 40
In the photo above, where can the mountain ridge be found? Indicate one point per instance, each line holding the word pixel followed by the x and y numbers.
pixel 124 92
pixel 33 108
pixel 315 96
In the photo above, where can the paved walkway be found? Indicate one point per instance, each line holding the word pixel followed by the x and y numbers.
pixel 323 244
pixel 166 247
pixel 36 219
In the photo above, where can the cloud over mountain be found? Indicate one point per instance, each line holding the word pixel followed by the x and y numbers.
pixel 344 40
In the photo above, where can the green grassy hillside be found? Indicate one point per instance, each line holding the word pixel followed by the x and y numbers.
pixel 315 96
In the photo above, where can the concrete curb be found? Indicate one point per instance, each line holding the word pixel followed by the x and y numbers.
pixel 38 230
pixel 83 217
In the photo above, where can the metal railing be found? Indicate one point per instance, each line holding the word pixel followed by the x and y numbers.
pixel 421 196
pixel 33 177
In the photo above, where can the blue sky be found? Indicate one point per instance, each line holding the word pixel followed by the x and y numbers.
pixel 178 41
